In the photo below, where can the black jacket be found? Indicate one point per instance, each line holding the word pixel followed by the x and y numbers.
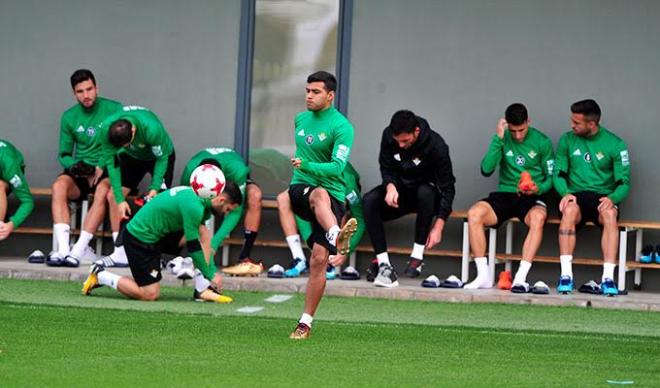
pixel 426 161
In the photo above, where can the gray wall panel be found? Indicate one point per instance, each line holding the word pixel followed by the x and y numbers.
pixel 177 58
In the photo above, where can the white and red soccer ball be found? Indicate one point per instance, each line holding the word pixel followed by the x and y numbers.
pixel 208 181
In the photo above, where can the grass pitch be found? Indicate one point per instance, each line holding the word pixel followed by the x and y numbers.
pixel 50 335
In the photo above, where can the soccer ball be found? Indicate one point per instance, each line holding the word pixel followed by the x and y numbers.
pixel 208 181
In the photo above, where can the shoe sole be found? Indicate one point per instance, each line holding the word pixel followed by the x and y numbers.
pixel 344 237
pixel 390 285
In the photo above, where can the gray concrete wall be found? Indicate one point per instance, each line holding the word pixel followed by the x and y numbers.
pixel 177 58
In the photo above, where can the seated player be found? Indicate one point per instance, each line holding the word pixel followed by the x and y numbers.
pixel 517 149
pixel 291 226
pixel 12 179
pixel 167 218
pixel 237 171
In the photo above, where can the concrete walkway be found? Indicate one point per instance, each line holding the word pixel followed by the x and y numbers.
pixel 409 289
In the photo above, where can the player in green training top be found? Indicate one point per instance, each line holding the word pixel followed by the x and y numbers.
pixel 168 221
pixel 515 148
pixel 324 138
pixel 12 178
pixel 79 155
pixel 134 143
pixel 291 224
pixel 237 171
pixel 592 175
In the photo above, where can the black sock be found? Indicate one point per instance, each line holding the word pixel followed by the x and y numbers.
pixel 250 237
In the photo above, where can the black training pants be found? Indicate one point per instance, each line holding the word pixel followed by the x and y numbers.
pixel 420 200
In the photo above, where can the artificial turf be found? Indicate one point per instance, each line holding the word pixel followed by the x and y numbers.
pixel 50 335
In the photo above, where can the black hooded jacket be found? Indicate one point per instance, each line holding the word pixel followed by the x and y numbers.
pixel 426 161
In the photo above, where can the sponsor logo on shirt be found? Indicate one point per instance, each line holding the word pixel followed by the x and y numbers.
pixel 520 160
pixel 301 132
pixel 587 157
pixel 551 166
pixel 624 158
pixel 509 153
pixel 532 154
pixel 397 157
pixel 599 155
pixel 128 108
pixel 322 136
pixel 217 150
pixel 352 197
pixel 577 152
pixel 157 151
pixel 342 152
pixel 16 181
pixel 309 139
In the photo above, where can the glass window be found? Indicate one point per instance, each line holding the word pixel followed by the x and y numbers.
pixel 292 39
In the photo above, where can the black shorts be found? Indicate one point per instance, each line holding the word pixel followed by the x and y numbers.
pixel 588 202
pixel 133 170
pixel 83 184
pixel 510 205
pixel 144 258
pixel 299 195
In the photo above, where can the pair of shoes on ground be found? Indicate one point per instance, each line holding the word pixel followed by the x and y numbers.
pixel 56 259
pixel 650 254
pixel 434 282
pixel 246 267
pixel 384 275
pixel 607 287
pixel 297 267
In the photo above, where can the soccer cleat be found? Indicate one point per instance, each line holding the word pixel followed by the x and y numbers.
pixel 565 285
pixel 247 267
pixel 37 257
pixel 298 266
pixel 504 282
pixel 330 273
pixel 209 295
pixel 108 261
pixel 344 237
pixel 54 259
pixel 520 288
pixel 608 287
pixel 92 280
pixel 414 268
pixel 70 261
pixel 386 277
pixel 302 332
pixel 656 254
pixel 372 271
pixel 648 254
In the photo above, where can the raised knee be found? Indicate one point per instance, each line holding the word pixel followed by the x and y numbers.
pixel 570 212
pixel 283 199
pixel 475 216
pixel 318 195
pixel 59 187
pixel 609 216
pixel 537 218
pixel 254 195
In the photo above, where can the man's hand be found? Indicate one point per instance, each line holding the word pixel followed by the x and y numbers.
pixel 567 199
pixel 392 196
pixel 296 162
pixel 435 235
pixel 5 229
pixel 124 210
pixel 150 194
pixel 216 283
pixel 605 204
pixel 337 260
pixel 530 189
pixel 97 175
pixel 501 127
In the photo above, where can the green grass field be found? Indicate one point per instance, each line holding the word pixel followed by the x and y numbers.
pixel 50 335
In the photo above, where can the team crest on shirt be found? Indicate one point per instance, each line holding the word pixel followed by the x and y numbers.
pixel 520 160
pixel 587 157
pixel 91 131
pixel 157 151
pixel 309 139
pixel 532 154
pixel 322 136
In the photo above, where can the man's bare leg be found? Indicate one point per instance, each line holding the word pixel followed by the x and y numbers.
pixel 480 216
pixel 609 241
pixel 64 190
pixel 535 220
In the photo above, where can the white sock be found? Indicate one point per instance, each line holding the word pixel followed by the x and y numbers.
pixel 109 279
pixel 114 236
pixel 566 265
pixel 523 270
pixel 418 251
pixel 482 280
pixel 119 255
pixel 608 271
pixel 383 258
pixel 295 246
pixel 62 232
pixel 201 283
pixel 80 245
pixel 306 319
pixel 332 234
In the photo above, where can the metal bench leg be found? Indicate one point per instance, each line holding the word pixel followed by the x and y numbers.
pixel 638 250
pixel 623 249
pixel 465 260
pixel 492 246
pixel 225 255
pixel 508 248
pixel 352 259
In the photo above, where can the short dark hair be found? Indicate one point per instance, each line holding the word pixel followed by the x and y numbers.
pixel 233 192
pixel 210 161
pixel 329 80
pixel 516 114
pixel 82 75
pixel 589 108
pixel 403 121
pixel 120 133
